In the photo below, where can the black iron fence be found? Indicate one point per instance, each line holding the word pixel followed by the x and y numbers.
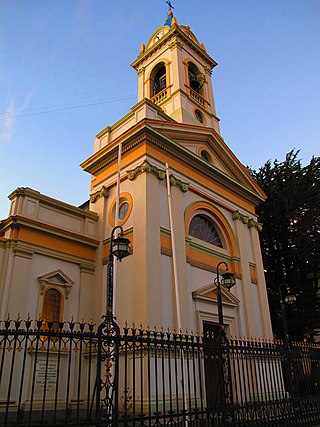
pixel 77 374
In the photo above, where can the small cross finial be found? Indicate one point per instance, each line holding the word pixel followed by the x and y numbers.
pixel 170 5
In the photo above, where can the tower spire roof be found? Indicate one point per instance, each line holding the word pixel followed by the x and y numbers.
pixel 169 19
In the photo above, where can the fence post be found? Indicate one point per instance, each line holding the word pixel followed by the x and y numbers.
pixel 107 404
pixel 227 401
pixel 98 381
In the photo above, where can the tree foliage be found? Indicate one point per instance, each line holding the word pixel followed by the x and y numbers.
pixel 290 240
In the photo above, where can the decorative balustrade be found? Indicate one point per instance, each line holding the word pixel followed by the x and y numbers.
pixel 160 96
pixel 197 97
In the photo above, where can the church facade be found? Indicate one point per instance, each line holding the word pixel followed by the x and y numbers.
pixel 53 255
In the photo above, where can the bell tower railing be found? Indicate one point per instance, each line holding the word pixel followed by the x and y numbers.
pixel 198 98
pixel 160 96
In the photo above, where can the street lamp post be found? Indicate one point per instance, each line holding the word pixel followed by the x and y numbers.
pixel 288 298
pixel 119 247
pixel 109 349
pixel 227 281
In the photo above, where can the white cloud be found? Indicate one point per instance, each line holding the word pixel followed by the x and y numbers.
pixel 7 123
pixel 8 120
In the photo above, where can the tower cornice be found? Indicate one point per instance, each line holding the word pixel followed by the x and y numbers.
pixel 174 32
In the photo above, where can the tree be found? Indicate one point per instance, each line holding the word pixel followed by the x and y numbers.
pixel 290 240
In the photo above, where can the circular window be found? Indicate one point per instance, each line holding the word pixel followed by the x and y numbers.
pixel 125 208
pixel 202 227
pixel 199 115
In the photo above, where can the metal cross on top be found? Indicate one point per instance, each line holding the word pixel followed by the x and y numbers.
pixel 170 5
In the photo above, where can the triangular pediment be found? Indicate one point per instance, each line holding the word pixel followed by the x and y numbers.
pixel 56 278
pixel 209 293
pixel 221 158
pixel 182 141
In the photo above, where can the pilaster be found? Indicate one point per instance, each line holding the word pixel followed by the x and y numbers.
pixel 246 298
pixel 98 204
pixel 20 282
pixel 146 250
pixel 180 246
pixel 88 295
pixel 261 285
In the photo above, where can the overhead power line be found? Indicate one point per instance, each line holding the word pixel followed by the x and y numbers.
pixel 62 107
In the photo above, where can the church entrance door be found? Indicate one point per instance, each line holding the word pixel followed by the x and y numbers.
pixel 213 367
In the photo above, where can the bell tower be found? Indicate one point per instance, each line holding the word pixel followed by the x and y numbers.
pixel 174 71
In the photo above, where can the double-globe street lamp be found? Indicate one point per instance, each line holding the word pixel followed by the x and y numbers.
pixel 119 247
pixel 286 297
pixel 227 280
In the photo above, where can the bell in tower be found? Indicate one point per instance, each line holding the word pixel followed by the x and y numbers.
pixel 196 78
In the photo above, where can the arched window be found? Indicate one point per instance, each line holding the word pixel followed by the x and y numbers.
pixel 158 79
pixel 51 310
pixel 196 78
pixel 202 227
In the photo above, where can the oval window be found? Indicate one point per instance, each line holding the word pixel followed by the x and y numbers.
pixel 199 115
pixel 123 209
pixel 205 156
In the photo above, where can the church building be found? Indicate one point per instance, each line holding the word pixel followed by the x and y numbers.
pixel 185 202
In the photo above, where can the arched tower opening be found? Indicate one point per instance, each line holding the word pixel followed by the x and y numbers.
pixel 158 79
pixel 196 78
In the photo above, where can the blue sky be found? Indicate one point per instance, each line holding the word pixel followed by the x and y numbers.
pixel 65 74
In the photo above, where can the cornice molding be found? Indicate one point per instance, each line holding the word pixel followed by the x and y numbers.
pixel 175 43
pixel 177 32
pixel 109 154
pixel 87 268
pixel 250 222
pixel 49 201
pixel 23 252
pixel 159 173
pixel 207 267
pixel 29 248
pixel 40 227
